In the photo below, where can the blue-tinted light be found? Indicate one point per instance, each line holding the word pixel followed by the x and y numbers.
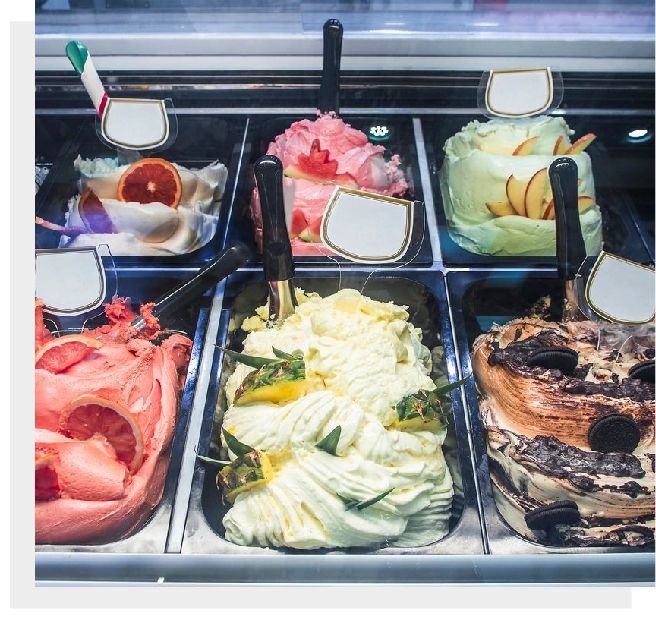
pixel 638 136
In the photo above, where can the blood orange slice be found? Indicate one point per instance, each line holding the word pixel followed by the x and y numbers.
pixel 61 353
pixel 90 415
pixel 93 213
pixel 46 482
pixel 151 180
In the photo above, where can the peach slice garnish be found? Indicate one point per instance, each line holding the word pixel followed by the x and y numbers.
pixel 526 147
pixel 581 144
pixel 559 147
pixel 535 194
pixel 585 202
pixel 516 192
pixel 500 209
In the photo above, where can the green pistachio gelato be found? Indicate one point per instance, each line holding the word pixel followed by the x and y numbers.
pixel 478 162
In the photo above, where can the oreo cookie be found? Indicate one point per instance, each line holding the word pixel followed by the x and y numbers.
pixel 614 433
pixel 643 371
pixel 548 516
pixel 554 358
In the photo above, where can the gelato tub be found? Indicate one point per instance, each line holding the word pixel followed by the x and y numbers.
pixel 423 294
pixel 190 185
pixel 618 229
pixel 606 487
pixel 310 198
pixel 151 536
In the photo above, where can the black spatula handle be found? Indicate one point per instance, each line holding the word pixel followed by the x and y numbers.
pixel 276 249
pixel 570 248
pixel 333 32
pixel 234 256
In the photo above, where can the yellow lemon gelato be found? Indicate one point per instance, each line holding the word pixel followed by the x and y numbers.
pixel 362 357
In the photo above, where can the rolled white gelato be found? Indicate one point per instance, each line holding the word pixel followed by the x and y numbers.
pixel 357 387
pixel 478 162
pixel 150 229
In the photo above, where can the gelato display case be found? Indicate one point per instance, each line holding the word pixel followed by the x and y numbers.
pixel 415 493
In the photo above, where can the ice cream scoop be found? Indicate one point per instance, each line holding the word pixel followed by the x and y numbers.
pixel 333 31
pixel 276 249
pixel 234 256
pixel 570 248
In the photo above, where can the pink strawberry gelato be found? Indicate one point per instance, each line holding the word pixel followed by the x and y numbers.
pixel 354 155
pixel 99 500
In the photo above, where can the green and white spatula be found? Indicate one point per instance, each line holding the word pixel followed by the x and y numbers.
pixel 133 124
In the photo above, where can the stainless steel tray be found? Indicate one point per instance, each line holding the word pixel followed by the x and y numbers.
pixel 141 287
pixel 621 232
pixel 262 130
pixel 425 295
pixel 201 140
pixel 477 300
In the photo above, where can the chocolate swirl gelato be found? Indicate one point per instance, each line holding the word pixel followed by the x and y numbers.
pixel 537 418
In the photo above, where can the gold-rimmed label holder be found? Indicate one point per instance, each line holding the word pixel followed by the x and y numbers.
pixel 74 281
pixel 519 93
pixel 621 291
pixel 367 227
pixel 135 124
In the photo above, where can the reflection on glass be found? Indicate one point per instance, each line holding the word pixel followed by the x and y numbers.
pixel 385 16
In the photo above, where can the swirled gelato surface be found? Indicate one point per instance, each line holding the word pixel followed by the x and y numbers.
pixel 537 422
pixel 361 357
pixel 152 229
pixel 99 499
pixel 355 156
pixel 479 161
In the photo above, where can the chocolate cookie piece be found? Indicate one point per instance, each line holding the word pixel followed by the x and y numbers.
pixel 548 516
pixel 643 371
pixel 615 433
pixel 554 358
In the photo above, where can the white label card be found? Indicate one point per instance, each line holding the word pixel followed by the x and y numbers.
pixel 367 227
pixel 135 124
pixel 69 282
pixel 621 291
pixel 517 93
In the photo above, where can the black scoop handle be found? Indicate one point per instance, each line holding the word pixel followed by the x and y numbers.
pixel 570 248
pixel 234 256
pixel 333 32
pixel 276 249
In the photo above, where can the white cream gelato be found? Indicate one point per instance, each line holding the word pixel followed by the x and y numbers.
pixel 361 358
pixel 150 229
pixel 478 162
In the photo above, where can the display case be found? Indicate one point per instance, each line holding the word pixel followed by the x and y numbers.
pixel 236 84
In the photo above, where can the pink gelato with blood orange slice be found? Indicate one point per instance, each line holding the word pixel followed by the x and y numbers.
pixel 99 499
pixel 317 155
